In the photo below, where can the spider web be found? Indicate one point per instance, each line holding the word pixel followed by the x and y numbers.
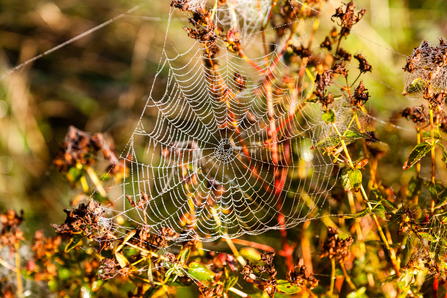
pixel 211 166
pixel 207 166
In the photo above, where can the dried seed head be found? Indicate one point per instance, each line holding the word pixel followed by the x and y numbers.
pixel 360 96
pixel 301 276
pixel 348 18
pixel 364 66
pixel 334 247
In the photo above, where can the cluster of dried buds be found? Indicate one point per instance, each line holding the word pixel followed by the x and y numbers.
pixel 428 58
pixel 84 219
pixel 425 69
pixel 418 115
pixel 301 276
pixel 206 32
pixel 336 248
pixel 10 233
pixel 79 148
pixel 364 65
pixel 267 285
pixel 44 249
pixel 291 11
pixel 348 18
pixel 145 243
pixel 223 265
pixel 322 81
pixel 360 96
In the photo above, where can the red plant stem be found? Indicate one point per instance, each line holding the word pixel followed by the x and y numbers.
pixel 435 286
pixel 253 244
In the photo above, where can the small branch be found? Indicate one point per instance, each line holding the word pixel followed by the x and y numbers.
pixel 253 244
pixel 348 279
pixel 238 292
pixel 331 289
pixel 18 273
pixel 433 166
pixel 96 181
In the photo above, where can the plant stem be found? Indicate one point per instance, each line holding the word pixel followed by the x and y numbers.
pixel 253 244
pixel 365 197
pixel 331 289
pixel 18 274
pixel 348 279
pixel 238 292
pixel 435 286
pixel 228 240
pixel 433 167
pixel 96 181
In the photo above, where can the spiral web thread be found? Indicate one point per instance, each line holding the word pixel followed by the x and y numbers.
pixel 207 168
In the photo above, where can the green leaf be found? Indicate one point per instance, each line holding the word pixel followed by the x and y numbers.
pixel 351 179
pixel 74 174
pixel 407 251
pixel 416 85
pixel 74 241
pixel 419 151
pixel 428 237
pixel 414 187
pixel 330 141
pixel 355 135
pixel 379 210
pixel 286 287
pixel 360 293
pixel 122 260
pixel 436 135
pixel 329 116
pixel 360 214
pixel 231 278
pixel 250 253
pixel 200 272
pixel 151 292
pixel 438 193
pixel 335 140
pixel 444 153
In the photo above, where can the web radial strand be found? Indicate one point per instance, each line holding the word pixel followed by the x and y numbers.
pixel 221 150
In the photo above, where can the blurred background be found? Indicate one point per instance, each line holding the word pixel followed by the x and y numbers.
pixel 100 83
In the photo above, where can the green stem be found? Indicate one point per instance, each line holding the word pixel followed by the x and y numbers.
pixel 331 289
pixel 18 274
pixel 433 167
pixel 348 279
pixel 365 197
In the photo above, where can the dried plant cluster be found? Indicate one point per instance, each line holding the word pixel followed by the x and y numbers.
pixel 386 244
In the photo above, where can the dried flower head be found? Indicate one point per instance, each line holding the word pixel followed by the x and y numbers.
pixel 364 66
pixel 348 18
pixel 418 115
pixel 301 276
pixel 360 96
pixel 334 247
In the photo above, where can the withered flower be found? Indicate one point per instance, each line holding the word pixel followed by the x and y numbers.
pixel 340 68
pixel 364 66
pixel 80 148
pixel 416 114
pixel 327 44
pixel 10 233
pixel 348 18
pixel 82 219
pixel 343 55
pixel 322 81
pixel 301 276
pixel 334 247
pixel 180 4
pixel 301 51
pixel 240 81
pixel 360 96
